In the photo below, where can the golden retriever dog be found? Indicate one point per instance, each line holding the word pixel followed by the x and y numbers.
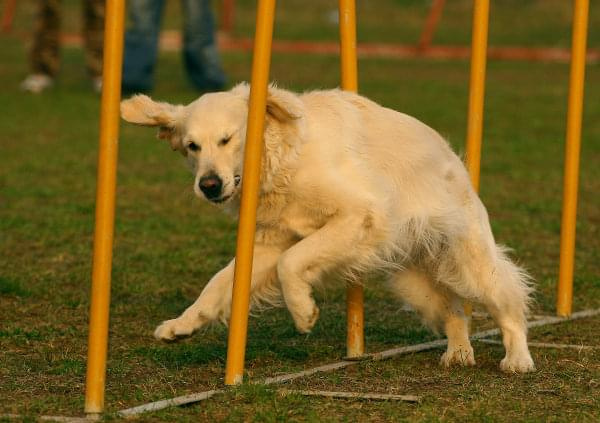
pixel 347 186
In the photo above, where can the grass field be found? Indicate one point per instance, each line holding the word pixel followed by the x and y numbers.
pixel 168 243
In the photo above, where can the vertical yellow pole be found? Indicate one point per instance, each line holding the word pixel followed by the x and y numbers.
pixel 238 327
pixel 571 172
pixel 105 207
pixel 476 94
pixel 477 88
pixel 355 341
pixel 349 62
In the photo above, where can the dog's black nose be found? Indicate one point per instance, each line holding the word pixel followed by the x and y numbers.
pixel 211 186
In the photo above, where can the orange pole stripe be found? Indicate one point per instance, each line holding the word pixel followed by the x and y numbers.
pixel 238 328
pixel 572 149
pixel 105 207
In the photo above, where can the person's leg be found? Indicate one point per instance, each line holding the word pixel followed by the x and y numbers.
pixel 44 55
pixel 200 54
pixel 141 44
pixel 93 34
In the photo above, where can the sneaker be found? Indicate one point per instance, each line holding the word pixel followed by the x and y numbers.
pixel 97 84
pixel 36 83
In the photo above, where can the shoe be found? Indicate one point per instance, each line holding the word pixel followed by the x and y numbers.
pixel 36 83
pixel 97 84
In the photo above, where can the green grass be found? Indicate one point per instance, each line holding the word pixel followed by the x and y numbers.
pixel 167 243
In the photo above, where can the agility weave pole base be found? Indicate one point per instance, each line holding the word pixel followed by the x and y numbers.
pixel 188 399
pixel 200 396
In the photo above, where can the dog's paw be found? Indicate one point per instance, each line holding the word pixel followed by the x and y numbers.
pixel 517 364
pixel 463 356
pixel 305 323
pixel 172 330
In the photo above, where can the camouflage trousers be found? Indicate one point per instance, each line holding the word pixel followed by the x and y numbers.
pixel 46 38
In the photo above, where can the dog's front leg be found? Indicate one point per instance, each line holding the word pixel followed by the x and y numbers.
pixel 214 302
pixel 341 242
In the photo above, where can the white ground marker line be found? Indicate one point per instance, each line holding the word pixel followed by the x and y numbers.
pixel 173 402
pixel 187 399
pixel 63 419
pixel 357 395
pixel 308 372
pixel 547 345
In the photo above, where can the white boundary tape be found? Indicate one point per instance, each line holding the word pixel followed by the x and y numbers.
pixel 172 402
pixel 200 396
pixel 358 395
pixel 63 419
pixel 547 345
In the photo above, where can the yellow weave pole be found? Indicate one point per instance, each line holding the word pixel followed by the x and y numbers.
pixel 477 88
pixel 481 11
pixel 238 327
pixel 349 62
pixel 105 207
pixel 571 173
pixel 355 340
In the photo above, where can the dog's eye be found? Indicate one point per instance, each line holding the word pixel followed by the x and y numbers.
pixel 193 147
pixel 225 141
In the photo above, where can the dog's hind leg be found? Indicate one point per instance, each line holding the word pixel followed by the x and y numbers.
pixel 508 305
pixel 214 302
pixel 476 269
pixel 440 309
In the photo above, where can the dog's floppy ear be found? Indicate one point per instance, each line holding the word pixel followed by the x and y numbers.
pixel 282 106
pixel 142 110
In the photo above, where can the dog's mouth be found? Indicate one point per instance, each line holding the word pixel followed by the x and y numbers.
pixel 221 200
pixel 236 182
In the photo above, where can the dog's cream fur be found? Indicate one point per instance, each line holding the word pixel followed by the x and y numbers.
pixel 348 186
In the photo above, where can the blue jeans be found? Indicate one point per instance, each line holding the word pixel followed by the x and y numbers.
pixel 200 55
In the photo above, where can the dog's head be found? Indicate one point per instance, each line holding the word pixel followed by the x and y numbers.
pixel 210 132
